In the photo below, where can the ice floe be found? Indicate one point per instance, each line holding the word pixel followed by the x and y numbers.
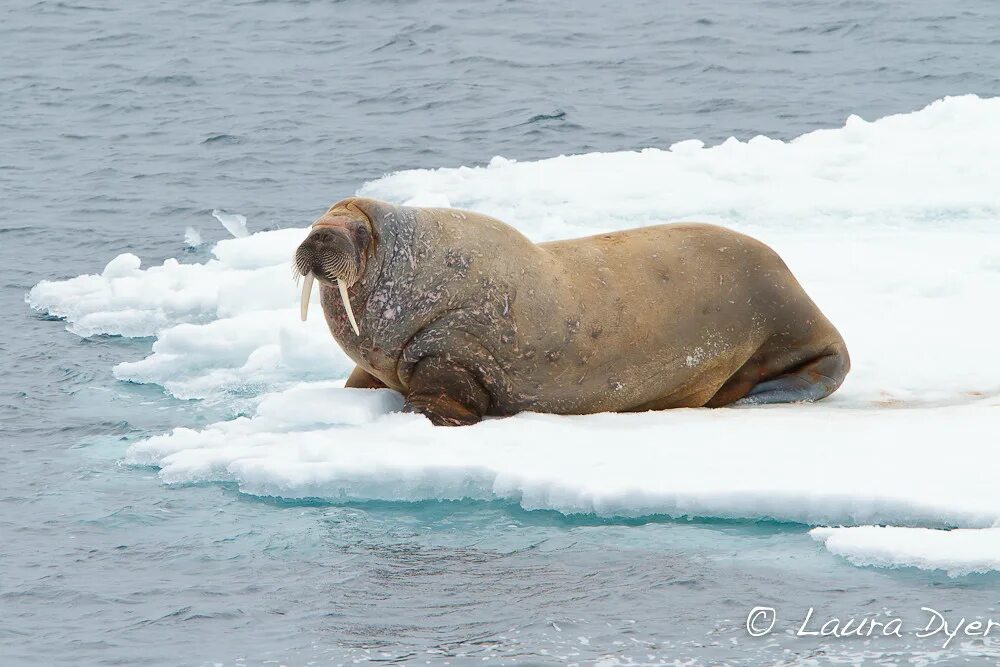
pixel 893 227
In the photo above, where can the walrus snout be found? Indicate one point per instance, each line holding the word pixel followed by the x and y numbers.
pixel 331 254
pixel 334 252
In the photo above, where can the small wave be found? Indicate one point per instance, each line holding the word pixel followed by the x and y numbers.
pixel 223 139
pixel 90 8
pixel 184 80
pixel 555 115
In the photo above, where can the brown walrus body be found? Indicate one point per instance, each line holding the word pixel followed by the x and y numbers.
pixel 467 317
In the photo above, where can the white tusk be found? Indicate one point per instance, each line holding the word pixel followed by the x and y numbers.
pixel 347 306
pixel 307 287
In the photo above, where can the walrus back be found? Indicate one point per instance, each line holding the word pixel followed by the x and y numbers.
pixel 694 304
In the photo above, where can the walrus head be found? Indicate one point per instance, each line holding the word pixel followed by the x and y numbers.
pixel 335 252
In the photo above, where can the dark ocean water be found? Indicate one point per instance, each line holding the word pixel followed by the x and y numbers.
pixel 123 123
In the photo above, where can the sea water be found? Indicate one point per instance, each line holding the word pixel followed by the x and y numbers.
pixel 183 481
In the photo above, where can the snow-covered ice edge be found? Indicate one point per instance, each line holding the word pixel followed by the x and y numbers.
pixel 958 552
pixel 891 225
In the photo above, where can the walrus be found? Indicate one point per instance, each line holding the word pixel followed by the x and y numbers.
pixel 466 317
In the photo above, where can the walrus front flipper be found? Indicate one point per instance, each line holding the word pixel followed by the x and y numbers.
pixel 362 379
pixel 446 393
pixel 809 382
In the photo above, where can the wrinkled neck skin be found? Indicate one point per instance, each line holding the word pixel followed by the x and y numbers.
pixel 392 300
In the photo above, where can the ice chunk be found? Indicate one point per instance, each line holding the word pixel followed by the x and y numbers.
pixel 125 264
pixel 192 237
pixel 234 223
pixel 257 349
pixel 958 552
pixel 249 274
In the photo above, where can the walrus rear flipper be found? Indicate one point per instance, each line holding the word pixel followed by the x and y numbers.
pixel 812 381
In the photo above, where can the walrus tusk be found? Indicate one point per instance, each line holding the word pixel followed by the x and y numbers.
pixel 307 287
pixel 347 306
